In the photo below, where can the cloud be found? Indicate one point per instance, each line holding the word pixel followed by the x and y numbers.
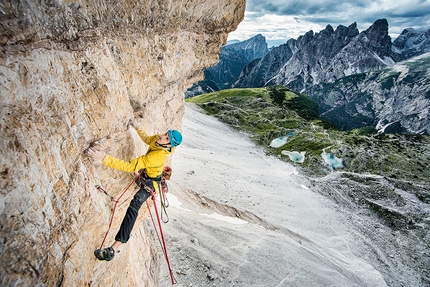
pixel 297 7
pixel 280 19
pixel 273 27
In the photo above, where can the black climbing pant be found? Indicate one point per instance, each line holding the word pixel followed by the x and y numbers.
pixel 130 216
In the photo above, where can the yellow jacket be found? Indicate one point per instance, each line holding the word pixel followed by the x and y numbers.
pixel 153 161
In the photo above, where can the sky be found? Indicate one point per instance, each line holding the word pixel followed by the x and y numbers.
pixel 280 20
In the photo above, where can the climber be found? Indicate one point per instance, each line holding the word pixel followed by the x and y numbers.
pixel 159 147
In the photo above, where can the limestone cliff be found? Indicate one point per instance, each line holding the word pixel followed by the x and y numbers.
pixel 72 73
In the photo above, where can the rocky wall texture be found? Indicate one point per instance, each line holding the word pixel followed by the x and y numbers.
pixel 72 73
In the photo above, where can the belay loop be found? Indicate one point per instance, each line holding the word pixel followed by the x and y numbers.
pixel 162 189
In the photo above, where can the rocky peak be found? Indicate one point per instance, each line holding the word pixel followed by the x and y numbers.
pixel 329 28
pixel 305 39
pixel 253 48
pixel 411 43
pixel 324 57
pixel 330 55
pixel 379 40
pixel 347 32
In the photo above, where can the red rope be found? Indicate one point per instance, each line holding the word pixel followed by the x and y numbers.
pixel 116 202
pixel 162 241
pixel 162 235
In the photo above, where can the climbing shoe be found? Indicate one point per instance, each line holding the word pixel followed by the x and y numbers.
pixel 105 254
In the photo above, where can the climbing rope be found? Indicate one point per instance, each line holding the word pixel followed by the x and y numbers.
pixel 116 202
pixel 161 235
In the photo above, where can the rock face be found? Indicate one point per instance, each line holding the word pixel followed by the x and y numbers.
pixel 72 73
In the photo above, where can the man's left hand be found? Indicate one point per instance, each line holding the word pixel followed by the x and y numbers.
pixel 96 154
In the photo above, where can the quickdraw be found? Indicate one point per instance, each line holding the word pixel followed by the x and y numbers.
pixel 163 199
pixel 99 188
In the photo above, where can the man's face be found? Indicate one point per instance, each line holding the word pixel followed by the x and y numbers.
pixel 164 139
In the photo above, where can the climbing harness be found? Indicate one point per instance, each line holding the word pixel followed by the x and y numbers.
pixel 163 189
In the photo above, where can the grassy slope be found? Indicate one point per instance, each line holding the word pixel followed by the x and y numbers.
pixel 252 110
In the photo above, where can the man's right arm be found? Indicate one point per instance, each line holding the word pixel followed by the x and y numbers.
pixel 128 166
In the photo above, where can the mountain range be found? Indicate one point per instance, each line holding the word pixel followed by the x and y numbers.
pixel 337 67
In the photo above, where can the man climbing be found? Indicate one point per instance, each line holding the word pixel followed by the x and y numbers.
pixel 159 147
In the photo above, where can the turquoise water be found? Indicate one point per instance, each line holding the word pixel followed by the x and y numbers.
pixel 295 156
pixel 332 161
pixel 278 142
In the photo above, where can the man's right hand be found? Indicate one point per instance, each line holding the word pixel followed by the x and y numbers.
pixel 133 124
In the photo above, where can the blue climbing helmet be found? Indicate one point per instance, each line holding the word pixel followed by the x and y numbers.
pixel 175 137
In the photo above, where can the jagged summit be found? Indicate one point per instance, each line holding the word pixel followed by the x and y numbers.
pixel 330 55
pixel 379 40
